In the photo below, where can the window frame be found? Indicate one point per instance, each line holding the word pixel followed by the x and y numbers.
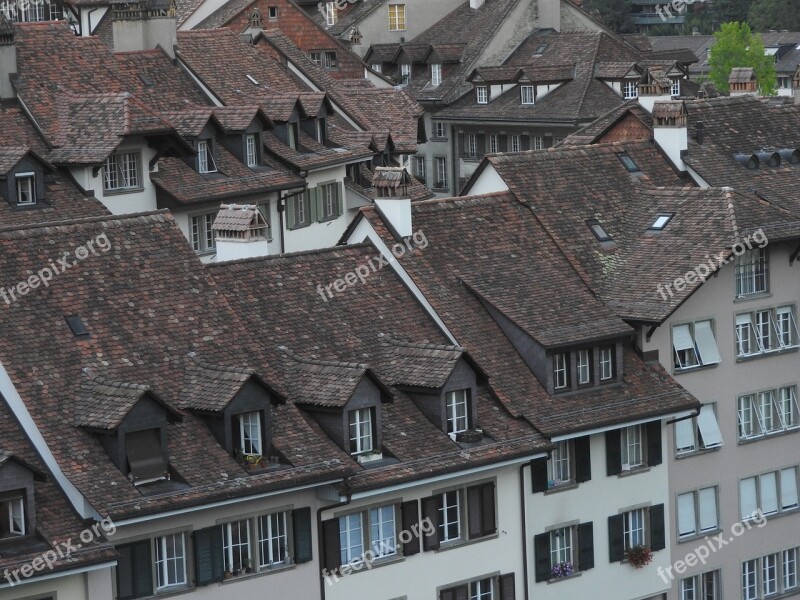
pixel 253 419
pixel 527 95
pixel 482 94
pixel 229 547
pixel 439 130
pixel 30 179
pixel 364 440
pixel 449 505
pixel 754 575
pixel 630 90
pixel 397 21
pixel 603 363
pixel 629 440
pixel 251 149
pixel 281 537
pixel 161 560
pixel 564 548
pixel 630 529
pixel 751 266
pixel 205 157
pixel 561 464
pixel 703 587
pixel 122 172
pixel 201 233
pixel 436 74
pixel 441 171
pixel 420 167
pixel 758 487
pixel 583 366
pixel 695 496
pixel 454 418
pixel 515 143
pixel 681 363
pixel 561 374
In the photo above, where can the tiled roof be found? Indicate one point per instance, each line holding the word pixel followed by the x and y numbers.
pixel 318 382
pixel 353 13
pixel 103 404
pixel 189 122
pixel 211 387
pixel 416 364
pixel 236 217
pixel 10 156
pixel 591 133
pixel 238 118
pixel 741 75
pixel 614 70
pixel 314 155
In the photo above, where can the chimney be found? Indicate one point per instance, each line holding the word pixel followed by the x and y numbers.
pixel 476 4
pixel 654 87
pixel 144 24
pixel 670 130
pixel 393 199
pixel 241 232
pixel 549 15
pixel 743 82
pixel 8 58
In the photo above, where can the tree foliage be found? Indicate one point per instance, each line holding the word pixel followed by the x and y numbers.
pixel 731 10
pixel 616 14
pixel 774 14
pixel 736 45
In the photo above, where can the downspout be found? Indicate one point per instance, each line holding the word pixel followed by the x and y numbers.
pixel 320 544
pixel 524 529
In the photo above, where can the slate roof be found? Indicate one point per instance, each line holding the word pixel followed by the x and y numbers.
pixel 592 132
pixel 324 383
pixel 211 387
pixel 417 364
pixel 353 13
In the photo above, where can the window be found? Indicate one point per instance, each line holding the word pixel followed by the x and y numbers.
pixel 701 587
pixel 236 545
pixel 771 493
pixel 694 345
pixel 420 168
pixel 272 13
pixel 436 74
pixel 397 17
pixel 170 560
pixel 331 14
pixel 560 370
pixel 146 459
pixel 606 363
pixel 697 512
pixel 634 528
pixel 250 433
pixel 630 90
pixel 563 550
pixel 458 411
pixel 632 449
pixel 751 272
pixel 765 331
pixel 251 149
pixel 374 529
pixel 441 172
pixel 377 67
pixel 482 94
pixel 329 194
pixel 515 143
pixel 526 94
pixel 439 130
pixel 291 135
pixel 483 589
pixel 273 542
pixel 559 467
pixel 326 60
pixel 660 222
pixel 561 546
pixel 361 428
pixel 121 172
pixel 26 189
pixel 698 433
pixel 382 533
pixel 351 538
pixel 405 73
pixel 769 411
pixel 472 145
pixel 461 514
pixel 770 575
pixel 300 210
pixel 675 88
pixel 12 513
pixel 205 158
pixel 493 143
pixel 583 360
pixel 630 165
pixel 789 564
pixel 599 231
pixel 537 142
pixel 449 516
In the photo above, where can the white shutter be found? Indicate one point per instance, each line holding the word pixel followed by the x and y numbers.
pixel 706 344
pixel 686 516
pixel 747 497
pixel 768 484
pixel 788 488
pixel 709 429
pixel 684 435
pixel 682 338
pixel 708 509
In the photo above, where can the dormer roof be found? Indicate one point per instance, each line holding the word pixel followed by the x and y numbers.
pixel 528 73
pixel 239 118
pixel 618 70
pixel 444 53
pixel 191 122
pixel 6 456
pixel 11 155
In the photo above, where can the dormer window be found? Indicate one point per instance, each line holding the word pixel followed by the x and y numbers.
pixel 675 88
pixel 436 74
pixel 482 94
pixel 12 516
pixel 458 411
pixel 606 363
pixel 26 189
pixel 146 458
pixel 630 90
pixel 292 135
pixel 251 149
pixel 205 157
pixel 561 371
pixel 583 366
pixel 250 433
pixel 526 94
pixel 322 131
pixel 121 172
pixel 361 435
pixel 331 14
pixel 326 60
pixel 405 73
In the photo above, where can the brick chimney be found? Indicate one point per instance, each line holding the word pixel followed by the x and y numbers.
pixel 743 82
pixel 393 198
pixel 8 58
pixel 144 25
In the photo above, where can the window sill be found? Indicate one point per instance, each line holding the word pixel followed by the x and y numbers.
pixel 122 191
pixel 749 357
pixel 328 219
pixel 177 590
pixel 560 579
pixel 679 371
pixel 445 546
pixel 767 436
pixel 697 536
pixel 353 568
pixel 296 227
pixel 262 572
pixel 206 252
pixel 560 488
pixel 692 453
pixel 634 471
pixel 438 139
pixel 757 296
pixel 787 512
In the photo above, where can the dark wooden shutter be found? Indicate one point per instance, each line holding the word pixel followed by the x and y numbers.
pixel 208 564
pixel 314 212
pixel 583 459
pixel 409 512
pixel 474 511
pixel 539 475
pixel 613 452
pixel 134 570
pixel 430 511
pixel 616 535
pixel 657 537
pixel 480 146
pixel 340 199
pixel 586 546
pixel 503 143
pixel 462 143
pixel 455 593
pixel 301 528
pixel 525 142
pixel 541 548
pixel 488 517
pixel 653 433
pixel 507 587
pixel 332 551
pixel 481 510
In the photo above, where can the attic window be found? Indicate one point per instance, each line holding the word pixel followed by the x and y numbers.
pixel 250 433
pixel 146 458
pixel 12 516
pixel 540 50
pixel 26 189
pixel 628 162
pixel 598 231
pixel 76 326
pixel 661 222
pixel 273 13
pixel 147 80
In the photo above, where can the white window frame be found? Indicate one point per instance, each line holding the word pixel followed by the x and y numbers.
pixel 436 74
pixel 457 404
pixel 250 433
pixel 770 575
pixel 768 412
pixel 405 72
pixel 583 366
pixel 694 345
pixel 697 512
pixel 675 87
pixel 561 371
pixel 789 571
pixel 273 539
pixel 705 586
pixel 383 531
pixel 330 200
pixel 16 516
pixel 779 488
pixel 397 17
pixel 421 167
pixel 28 180
pixel 634 528
pixel 361 431
pixel 251 150
pixel 751 272
pixel 351 538
pixel 559 466
pixel 170 550
pixel 607 363
pixel 121 172
pixel 439 130
pixel 449 516
pixel 515 143
pixel 632 445
pixel 493 143
pixel 240 550
pixel 537 142
pixel 205 157
pixel 630 90
pixel 698 433
pixel 561 546
pixel 482 589
pixel 331 15
pixel 201 233
pixel 472 145
pixel 482 94
pixel 527 95
pixel 441 172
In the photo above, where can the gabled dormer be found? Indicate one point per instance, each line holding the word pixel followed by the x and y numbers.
pixel 314 123
pixel 443 381
pixel 22 177
pixel 130 422
pixel 200 128
pixel 622 77
pixel 345 399
pixel 236 404
pixel 244 133
pixel 17 499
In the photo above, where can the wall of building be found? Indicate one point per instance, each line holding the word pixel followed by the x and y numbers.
pixel 67 587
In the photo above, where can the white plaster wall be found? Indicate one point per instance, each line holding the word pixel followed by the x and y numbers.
pixel 69 587
pixel 489 181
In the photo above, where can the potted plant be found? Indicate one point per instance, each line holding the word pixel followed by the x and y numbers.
pixel 562 569
pixel 639 556
pixel 248 565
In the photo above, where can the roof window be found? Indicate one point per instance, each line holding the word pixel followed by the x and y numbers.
pixel 628 162
pixel 661 222
pixel 77 326
pixel 598 231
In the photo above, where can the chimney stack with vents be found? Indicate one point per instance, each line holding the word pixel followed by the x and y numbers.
pixel 144 25
pixel 240 232
pixel 393 198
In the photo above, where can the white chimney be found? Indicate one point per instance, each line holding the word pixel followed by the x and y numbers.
pixel 476 4
pixel 393 199
pixel 548 14
pixel 144 25
pixel 670 130
pixel 241 232
pixel 654 87
pixel 8 58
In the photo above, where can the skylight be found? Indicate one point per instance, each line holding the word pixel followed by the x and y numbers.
pixel 661 222
pixel 76 326
pixel 628 162
pixel 252 79
pixel 598 231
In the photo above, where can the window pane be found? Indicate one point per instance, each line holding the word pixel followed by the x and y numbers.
pixel 789 488
pixel 707 500
pixel 351 538
pixel 769 493
pixel 686 517
pixel 382 531
pixel 747 497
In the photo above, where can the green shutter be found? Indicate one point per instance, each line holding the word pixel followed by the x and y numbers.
pixel 301 528
pixel 315 214
pixel 290 217
pixel 208 564
pixel 134 571
pixel 340 198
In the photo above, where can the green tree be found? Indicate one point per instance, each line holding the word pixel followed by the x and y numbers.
pixel 616 14
pixel 774 14
pixel 736 46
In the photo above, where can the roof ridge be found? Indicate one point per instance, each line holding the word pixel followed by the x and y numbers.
pixel 220 368
pixel 421 345
pixel 321 362
pixel 288 256
pixel 451 200
pixel 124 385
pixel 590 78
pixel 160 215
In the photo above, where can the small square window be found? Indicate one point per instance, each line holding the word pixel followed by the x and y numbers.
pixel 527 94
